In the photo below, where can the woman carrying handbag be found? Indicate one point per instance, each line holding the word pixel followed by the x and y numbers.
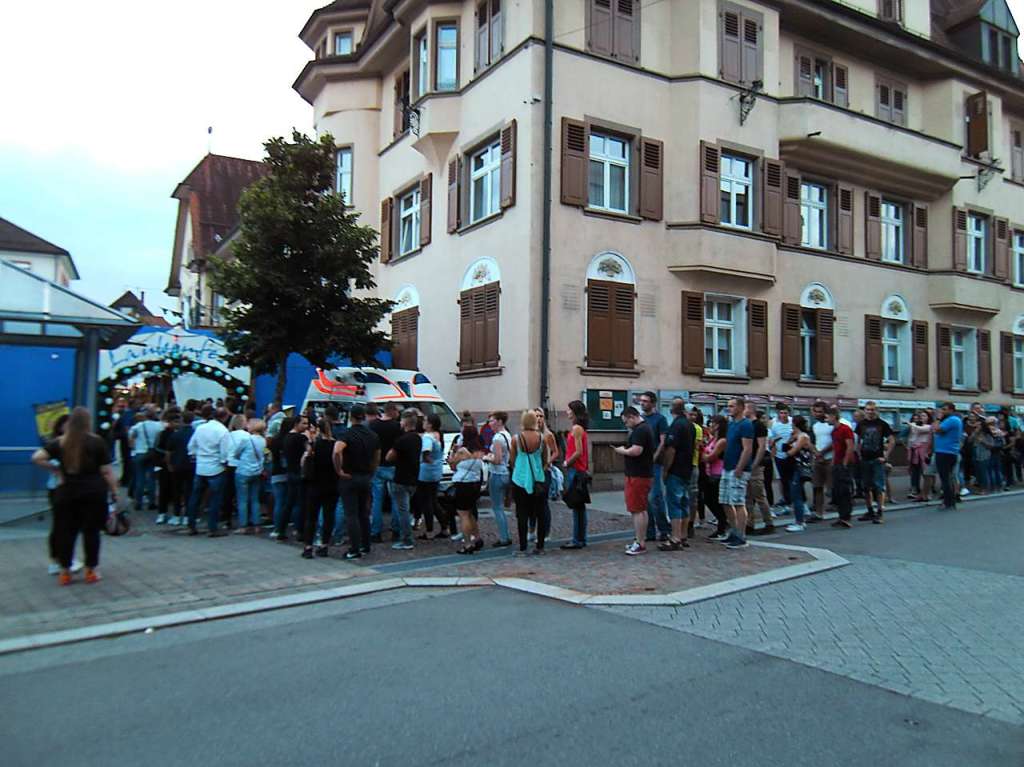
pixel 529 459
pixel 577 478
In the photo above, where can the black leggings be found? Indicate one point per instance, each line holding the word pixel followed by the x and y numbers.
pixel 424 504
pixel 319 499
pixel 72 515
pixel 709 493
pixel 530 509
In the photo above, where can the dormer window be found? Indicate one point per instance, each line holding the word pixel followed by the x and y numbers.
pixel 342 43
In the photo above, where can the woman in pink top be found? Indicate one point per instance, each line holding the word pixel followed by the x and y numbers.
pixel 712 459
pixel 577 464
pixel 919 446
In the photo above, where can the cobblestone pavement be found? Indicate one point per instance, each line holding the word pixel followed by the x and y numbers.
pixel 940 633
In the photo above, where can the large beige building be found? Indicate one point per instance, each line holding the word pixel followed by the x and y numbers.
pixel 789 198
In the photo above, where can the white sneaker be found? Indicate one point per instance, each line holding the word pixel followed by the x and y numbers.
pixel 275 534
pixel 531 537
pixel 964 491
pixel 698 525
pixel 795 528
pixel 458 537
pixel 53 568
pixel 161 519
pixel 174 521
pixel 75 565
pixel 635 548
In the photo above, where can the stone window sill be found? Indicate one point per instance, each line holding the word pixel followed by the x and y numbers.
pixel 479 372
pixel 613 216
pixel 813 383
pixel 724 378
pixel 611 372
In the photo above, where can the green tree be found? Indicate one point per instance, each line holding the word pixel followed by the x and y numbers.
pixel 299 271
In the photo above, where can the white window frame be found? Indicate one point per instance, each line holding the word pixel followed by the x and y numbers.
pixel 421 45
pixel 894 231
pixel 1018 259
pixel 1018 364
pixel 609 161
pixel 977 241
pixel 489 177
pixel 732 182
pixel 444 83
pixel 819 82
pixel 338 36
pixel 410 214
pixel 808 208
pixel 736 327
pixel 808 334
pixel 343 175
pixel 899 344
pixel 967 350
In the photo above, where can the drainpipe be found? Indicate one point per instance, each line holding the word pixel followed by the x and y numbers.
pixel 545 245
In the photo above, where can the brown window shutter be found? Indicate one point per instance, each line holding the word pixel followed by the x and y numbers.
pixel 757 338
pixel 626 30
pixel 840 86
pixel 824 351
pixel 466 328
pixel 792 220
pixel 404 329
pixel 1017 153
pixel 574 162
pixel 804 75
pixel 397 331
pixel 599 323
pixel 385 229
pixel 771 211
pixel 844 219
pixel 872 349
pixel 693 333
pixel 977 123
pixel 1001 248
pixel 508 165
pixel 426 187
pixel 752 47
pixel 599 27
pixel 454 211
pixel 729 47
pixel 492 296
pixel 944 355
pixel 623 307
pixel 483 36
pixel 959 240
pixel 651 179
pixel 899 105
pixel 412 332
pixel 919 237
pixel 710 184
pixel 984 360
pixel 479 326
pixel 872 226
pixel 792 363
pixel 919 340
pixel 1006 362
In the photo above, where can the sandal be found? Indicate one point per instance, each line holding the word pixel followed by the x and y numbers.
pixel 670 545
pixel 466 550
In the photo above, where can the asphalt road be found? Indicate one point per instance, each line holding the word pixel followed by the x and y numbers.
pixel 493 677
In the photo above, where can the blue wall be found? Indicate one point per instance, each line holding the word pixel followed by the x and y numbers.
pixel 29 375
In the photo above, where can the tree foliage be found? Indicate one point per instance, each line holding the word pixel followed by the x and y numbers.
pixel 298 276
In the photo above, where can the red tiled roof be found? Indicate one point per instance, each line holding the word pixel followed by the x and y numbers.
pixel 216 184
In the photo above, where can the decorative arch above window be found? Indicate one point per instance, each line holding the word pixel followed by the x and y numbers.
pixel 817 296
pixel 407 297
pixel 894 307
pixel 611 267
pixel 481 272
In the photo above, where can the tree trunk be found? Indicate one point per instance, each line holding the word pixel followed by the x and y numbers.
pixel 282 378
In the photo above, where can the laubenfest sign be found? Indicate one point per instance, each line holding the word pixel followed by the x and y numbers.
pixel 168 346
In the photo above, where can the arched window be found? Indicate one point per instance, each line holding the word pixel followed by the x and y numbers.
pixel 611 308
pixel 895 346
pixel 405 324
pixel 479 301
pixel 808 336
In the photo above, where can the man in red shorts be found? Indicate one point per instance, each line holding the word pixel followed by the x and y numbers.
pixel 639 454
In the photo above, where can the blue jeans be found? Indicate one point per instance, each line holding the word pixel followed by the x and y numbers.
pixel 143 481
pixel 401 495
pixel 579 515
pixel 292 510
pixel 796 495
pixel 339 521
pixel 280 491
pixel 247 494
pixel 384 475
pixel 657 521
pixel 676 490
pixel 215 484
pixel 496 486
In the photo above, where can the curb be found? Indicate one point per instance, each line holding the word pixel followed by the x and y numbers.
pixel 823 560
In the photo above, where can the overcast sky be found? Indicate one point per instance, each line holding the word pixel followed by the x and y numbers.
pixel 105 108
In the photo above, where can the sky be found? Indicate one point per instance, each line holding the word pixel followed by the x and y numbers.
pixel 106 108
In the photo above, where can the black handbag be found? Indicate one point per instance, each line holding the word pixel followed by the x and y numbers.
pixel 577 492
pixel 117 522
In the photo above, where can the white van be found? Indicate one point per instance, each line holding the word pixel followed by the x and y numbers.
pixel 345 387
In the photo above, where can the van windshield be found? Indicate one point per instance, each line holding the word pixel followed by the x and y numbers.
pixel 450 423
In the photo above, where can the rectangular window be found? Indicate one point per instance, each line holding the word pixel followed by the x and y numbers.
pixel 964 358
pixel 737 203
pixel 485 182
pixel 821 77
pixel 343 174
pixel 1018 259
pixel 421 64
pixel 342 43
pixel 891 101
pixel 892 352
pixel 976 242
pixel 608 179
pixel 1018 364
pixel 488 33
pixel 719 336
pixel 446 74
pixel 814 212
pixel 409 222
pixel 808 344
pixel 893 232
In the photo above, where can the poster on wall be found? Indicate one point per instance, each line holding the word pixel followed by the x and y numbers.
pixel 47 414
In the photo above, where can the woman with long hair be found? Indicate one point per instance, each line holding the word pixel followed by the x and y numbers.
pixel 80 500
pixel 52 482
pixel 429 479
pixel 551 443
pixel 713 462
pixel 799 449
pixel 919 444
pixel 577 468
pixel 528 458
pixel 321 481
pixel 468 472
pixel 249 455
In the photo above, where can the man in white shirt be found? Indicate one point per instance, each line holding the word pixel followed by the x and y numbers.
pixel 210 446
pixel 779 435
pixel 822 476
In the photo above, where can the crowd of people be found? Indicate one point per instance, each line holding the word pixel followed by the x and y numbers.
pixel 324 482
